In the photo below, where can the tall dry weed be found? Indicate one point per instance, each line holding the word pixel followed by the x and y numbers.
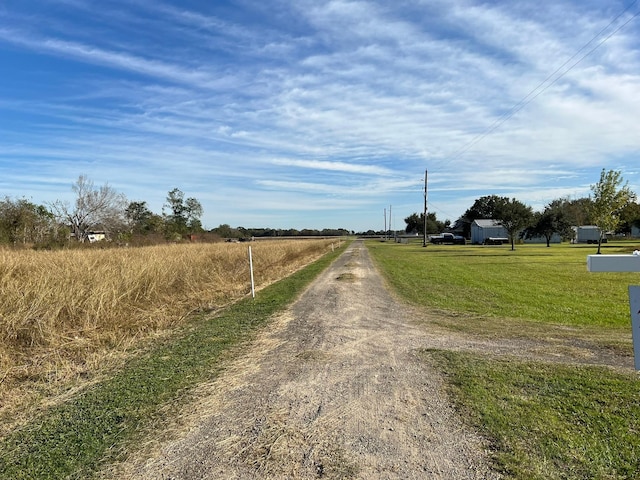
pixel 61 311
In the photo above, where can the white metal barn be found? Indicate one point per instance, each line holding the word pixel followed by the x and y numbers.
pixel 482 230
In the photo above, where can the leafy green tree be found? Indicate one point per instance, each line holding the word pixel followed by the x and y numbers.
pixel 194 212
pixel 141 220
pixel 23 222
pixel 483 208
pixel 576 210
pixel 182 216
pixel 225 231
pixel 415 223
pixel 549 222
pixel 513 215
pixel 609 197
pixel 629 218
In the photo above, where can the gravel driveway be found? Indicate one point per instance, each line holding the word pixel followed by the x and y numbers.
pixel 333 389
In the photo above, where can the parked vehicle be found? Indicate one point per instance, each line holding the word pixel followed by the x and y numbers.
pixel 447 239
pixel 496 240
pixel 587 234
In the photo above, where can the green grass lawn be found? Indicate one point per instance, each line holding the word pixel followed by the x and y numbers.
pixel 542 420
pixel 533 282
pixel 549 421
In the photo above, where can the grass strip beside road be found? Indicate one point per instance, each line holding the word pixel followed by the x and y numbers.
pixel 75 439
pixel 548 421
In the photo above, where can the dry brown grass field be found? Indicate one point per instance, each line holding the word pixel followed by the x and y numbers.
pixel 65 315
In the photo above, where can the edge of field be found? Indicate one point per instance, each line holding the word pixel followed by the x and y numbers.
pixel 95 427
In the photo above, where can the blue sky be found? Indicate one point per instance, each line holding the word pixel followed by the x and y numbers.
pixel 314 113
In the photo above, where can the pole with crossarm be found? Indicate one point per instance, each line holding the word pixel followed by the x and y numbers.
pixel 623 263
pixel 424 226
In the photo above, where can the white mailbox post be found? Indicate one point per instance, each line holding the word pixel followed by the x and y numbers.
pixel 623 263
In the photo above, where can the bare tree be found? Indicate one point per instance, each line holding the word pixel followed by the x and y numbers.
pixel 94 209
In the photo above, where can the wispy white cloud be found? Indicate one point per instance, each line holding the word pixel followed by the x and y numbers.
pixel 333 166
pixel 120 60
pixel 313 103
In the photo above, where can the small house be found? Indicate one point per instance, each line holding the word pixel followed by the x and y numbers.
pixel 96 236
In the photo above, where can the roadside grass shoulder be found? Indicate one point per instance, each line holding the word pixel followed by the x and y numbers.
pixel 542 420
pixel 74 439
pixel 548 421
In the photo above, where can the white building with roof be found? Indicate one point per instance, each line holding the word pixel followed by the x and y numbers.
pixel 485 229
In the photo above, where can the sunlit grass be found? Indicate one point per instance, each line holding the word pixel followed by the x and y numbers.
pixel 549 421
pixel 533 282
pixel 66 314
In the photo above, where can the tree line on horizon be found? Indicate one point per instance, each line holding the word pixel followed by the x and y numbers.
pixel 96 211
pixel 242 233
pixel 612 207
pixel 99 211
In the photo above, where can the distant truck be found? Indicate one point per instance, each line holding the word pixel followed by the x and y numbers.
pixel 588 234
pixel 447 239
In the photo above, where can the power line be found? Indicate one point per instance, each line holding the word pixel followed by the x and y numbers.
pixel 541 87
pixel 545 84
pixel 438 209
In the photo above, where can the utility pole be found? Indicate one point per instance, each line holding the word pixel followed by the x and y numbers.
pixel 390 227
pixel 385 223
pixel 424 235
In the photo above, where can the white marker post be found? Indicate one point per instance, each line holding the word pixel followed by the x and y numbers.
pixel 253 288
pixel 623 263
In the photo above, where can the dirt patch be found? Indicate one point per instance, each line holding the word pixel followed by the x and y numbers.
pixel 530 340
pixel 347 277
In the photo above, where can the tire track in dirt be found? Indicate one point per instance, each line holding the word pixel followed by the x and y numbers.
pixel 334 389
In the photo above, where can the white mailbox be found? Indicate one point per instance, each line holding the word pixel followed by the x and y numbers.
pixel 613 263
pixel 623 263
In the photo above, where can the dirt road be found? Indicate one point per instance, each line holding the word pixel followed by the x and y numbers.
pixel 334 389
